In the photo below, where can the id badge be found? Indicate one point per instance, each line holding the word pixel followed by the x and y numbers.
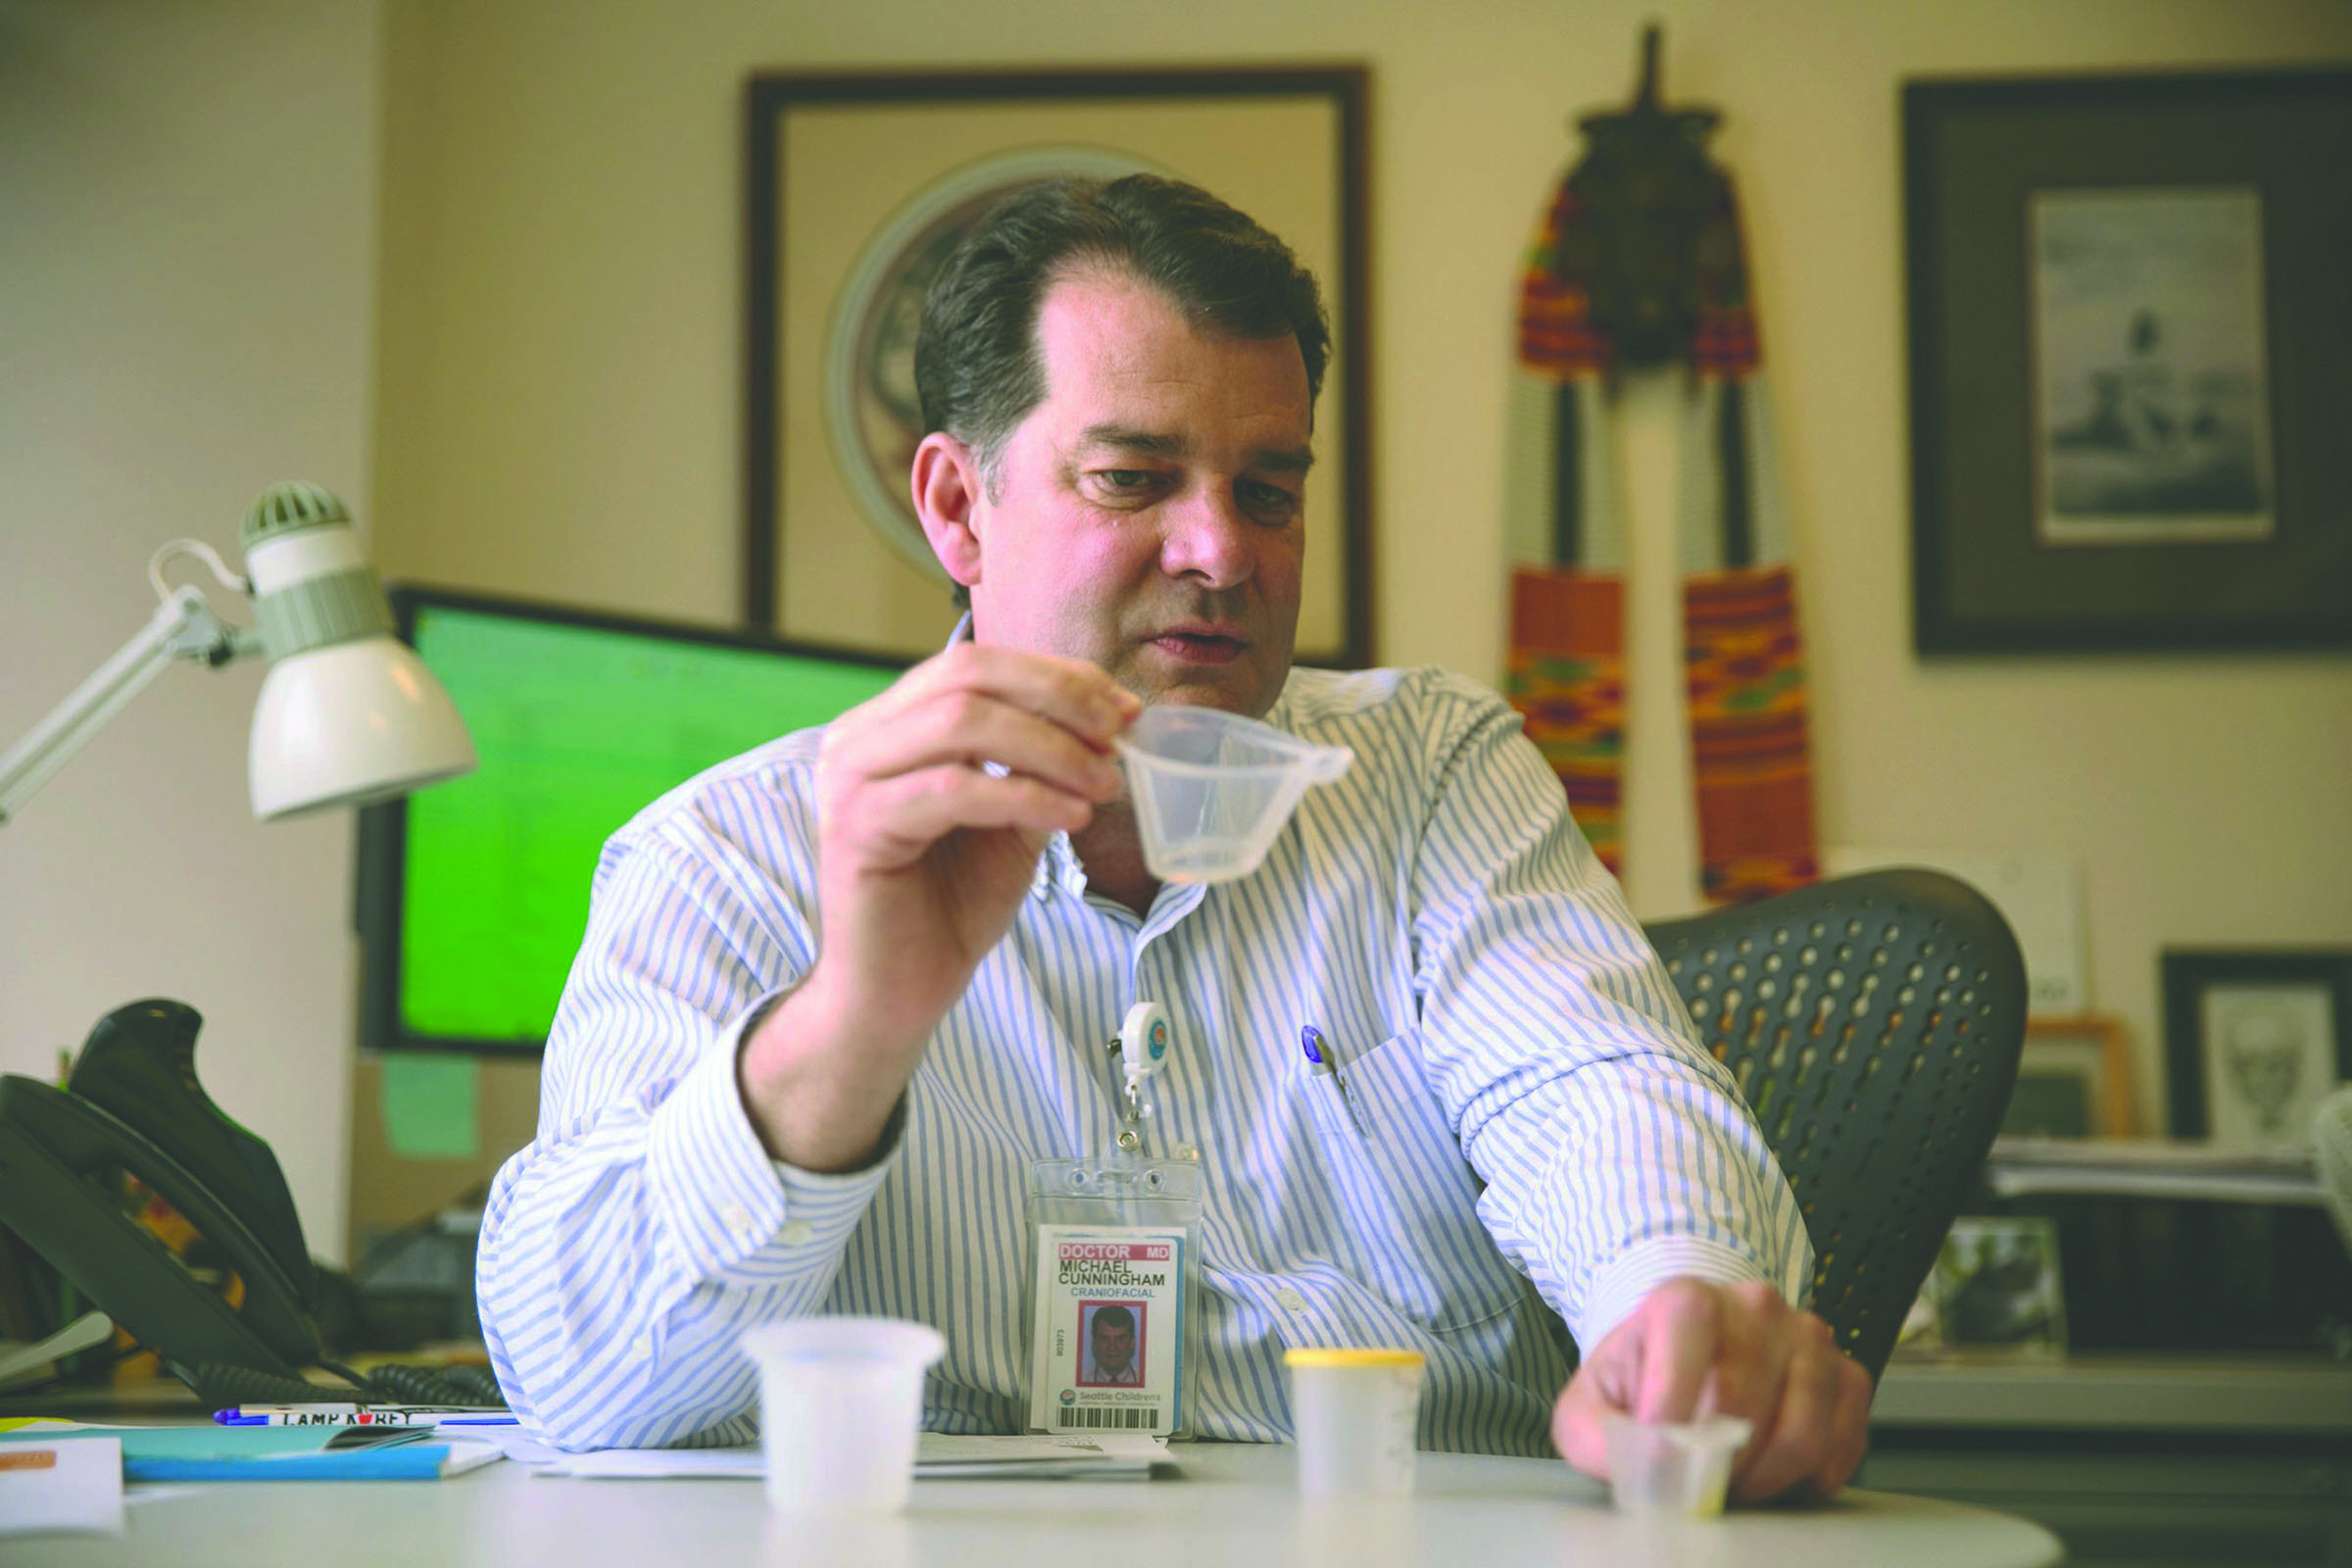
pixel 1111 1293
pixel 1109 1347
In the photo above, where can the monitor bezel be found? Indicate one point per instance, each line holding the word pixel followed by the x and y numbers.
pixel 378 887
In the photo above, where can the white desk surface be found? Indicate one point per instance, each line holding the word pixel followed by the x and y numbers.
pixel 1230 1505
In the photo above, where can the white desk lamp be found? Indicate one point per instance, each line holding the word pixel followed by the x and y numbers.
pixel 347 713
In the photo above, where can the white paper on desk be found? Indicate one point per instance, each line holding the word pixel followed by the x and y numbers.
pixel 468 1454
pixel 2152 1167
pixel 939 1456
pixel 513 1442
pixel 1065 1457
pixel 2041 900
pixel 62 1487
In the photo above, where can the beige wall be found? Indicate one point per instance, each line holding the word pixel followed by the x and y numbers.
pixel 193 255
pixel 559 395
pixel 187 261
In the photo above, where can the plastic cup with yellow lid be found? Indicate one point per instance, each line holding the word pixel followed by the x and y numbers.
pixel 1356 1412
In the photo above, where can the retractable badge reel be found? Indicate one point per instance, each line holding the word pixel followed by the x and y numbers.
pixel 1114 1244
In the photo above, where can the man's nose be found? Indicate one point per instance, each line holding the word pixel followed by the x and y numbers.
pixel 1206 536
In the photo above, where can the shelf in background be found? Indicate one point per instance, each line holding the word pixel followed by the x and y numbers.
pixel 2247 1394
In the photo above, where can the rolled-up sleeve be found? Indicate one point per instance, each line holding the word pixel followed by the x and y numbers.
pixel 627 1249
pixel 1616 1153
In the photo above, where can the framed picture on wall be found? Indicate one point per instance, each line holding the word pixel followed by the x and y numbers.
pixel 2253 1040
pixel 860 184
pixel 2127 327
pixel 2074 1080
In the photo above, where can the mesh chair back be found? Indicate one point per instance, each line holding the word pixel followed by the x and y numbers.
pixel 1874 1024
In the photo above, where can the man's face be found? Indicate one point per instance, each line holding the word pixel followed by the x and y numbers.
pixel 1149 513
pixel 1114 1346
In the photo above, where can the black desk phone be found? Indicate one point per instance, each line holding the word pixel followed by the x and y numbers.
pixel 76 1166
pixel 220 1287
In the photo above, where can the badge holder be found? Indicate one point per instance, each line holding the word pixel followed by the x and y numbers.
pixel 1114 1248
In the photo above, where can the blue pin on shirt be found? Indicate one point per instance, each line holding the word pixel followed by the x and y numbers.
pixel 1321 1061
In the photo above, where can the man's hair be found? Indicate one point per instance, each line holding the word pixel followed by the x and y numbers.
pixel 976 364
pixel 1112 1316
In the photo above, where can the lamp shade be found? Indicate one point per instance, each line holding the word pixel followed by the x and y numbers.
pixel 350 723
pixel 347 715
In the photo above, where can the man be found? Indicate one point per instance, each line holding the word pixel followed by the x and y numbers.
pixel 837 994
pixel 1110 1348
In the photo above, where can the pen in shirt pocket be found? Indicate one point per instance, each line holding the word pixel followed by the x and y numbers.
pixel 1324 1062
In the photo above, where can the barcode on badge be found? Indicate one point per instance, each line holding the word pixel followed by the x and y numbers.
pixel 1122 1416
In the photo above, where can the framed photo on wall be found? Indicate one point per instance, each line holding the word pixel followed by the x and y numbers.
pixel 859 185
pixel 2253 1040
pixel 2127 327
pixel 2074 1080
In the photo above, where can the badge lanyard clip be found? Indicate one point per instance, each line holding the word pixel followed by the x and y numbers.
pixel 1141 1048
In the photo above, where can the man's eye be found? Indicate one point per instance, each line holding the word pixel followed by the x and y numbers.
pixel 1267 500
pixel 1125 478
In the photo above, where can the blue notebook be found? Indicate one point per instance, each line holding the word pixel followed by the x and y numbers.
pixel 281 1454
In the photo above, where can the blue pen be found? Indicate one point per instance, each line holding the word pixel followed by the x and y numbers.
pixel 1323 1060
pixel 359 1415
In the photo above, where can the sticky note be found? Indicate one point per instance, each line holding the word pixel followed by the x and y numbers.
pixel 430 1106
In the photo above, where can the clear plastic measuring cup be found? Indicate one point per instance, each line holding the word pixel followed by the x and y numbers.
pixel 1212 789
pixel 840 1400
pixel 1672 1469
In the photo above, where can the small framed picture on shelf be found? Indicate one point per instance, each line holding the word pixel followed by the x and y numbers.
pixel 2253 1039
pixel 1996 1285
pixel 2074 1080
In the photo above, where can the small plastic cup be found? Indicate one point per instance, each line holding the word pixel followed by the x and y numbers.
pixel 1212 789
pixel 841 1401
pixel 1674 1470
pixel 1356 1412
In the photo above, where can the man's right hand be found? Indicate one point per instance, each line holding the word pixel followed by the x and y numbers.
pixel 923 856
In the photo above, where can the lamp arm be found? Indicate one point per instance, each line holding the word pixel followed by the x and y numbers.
pixel 183 626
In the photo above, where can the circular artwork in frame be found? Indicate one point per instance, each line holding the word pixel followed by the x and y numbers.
pixel 873 417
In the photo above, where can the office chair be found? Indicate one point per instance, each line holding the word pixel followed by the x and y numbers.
pixel 1873 1023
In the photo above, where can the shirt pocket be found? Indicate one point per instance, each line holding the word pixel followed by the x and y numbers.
pixel 1410 1230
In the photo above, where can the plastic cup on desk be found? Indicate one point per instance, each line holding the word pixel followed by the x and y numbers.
pixel 841 1402
pixel 1356 1412
pixel 1672 1470
pixel 1212 789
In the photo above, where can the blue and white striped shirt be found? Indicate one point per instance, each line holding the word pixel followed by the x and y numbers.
pixel 1540 1134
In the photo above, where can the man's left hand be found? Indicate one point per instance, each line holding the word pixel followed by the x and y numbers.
pixel 1693 1349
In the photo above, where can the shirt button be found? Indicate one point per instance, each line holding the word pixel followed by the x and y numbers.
pixel 1187 1151
pixel 644 1347
pixel 796 1233
pixel 1292 1300
pixel 738 1218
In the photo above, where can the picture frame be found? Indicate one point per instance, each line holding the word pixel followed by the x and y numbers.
pixel 1997 1287
pixel 2074 1080
pixel 2253 1039
pixel 858 185
pixel 2125 398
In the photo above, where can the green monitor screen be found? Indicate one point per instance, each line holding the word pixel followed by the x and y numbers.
pixel 473 895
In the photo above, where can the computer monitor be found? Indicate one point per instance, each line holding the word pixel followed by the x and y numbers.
pixel 473 895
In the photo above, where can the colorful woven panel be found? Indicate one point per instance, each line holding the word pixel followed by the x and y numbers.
pixel 1745 676
pixel 1744 670
pixel 1567 677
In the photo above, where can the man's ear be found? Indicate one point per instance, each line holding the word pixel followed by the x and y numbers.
pixel 947 484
